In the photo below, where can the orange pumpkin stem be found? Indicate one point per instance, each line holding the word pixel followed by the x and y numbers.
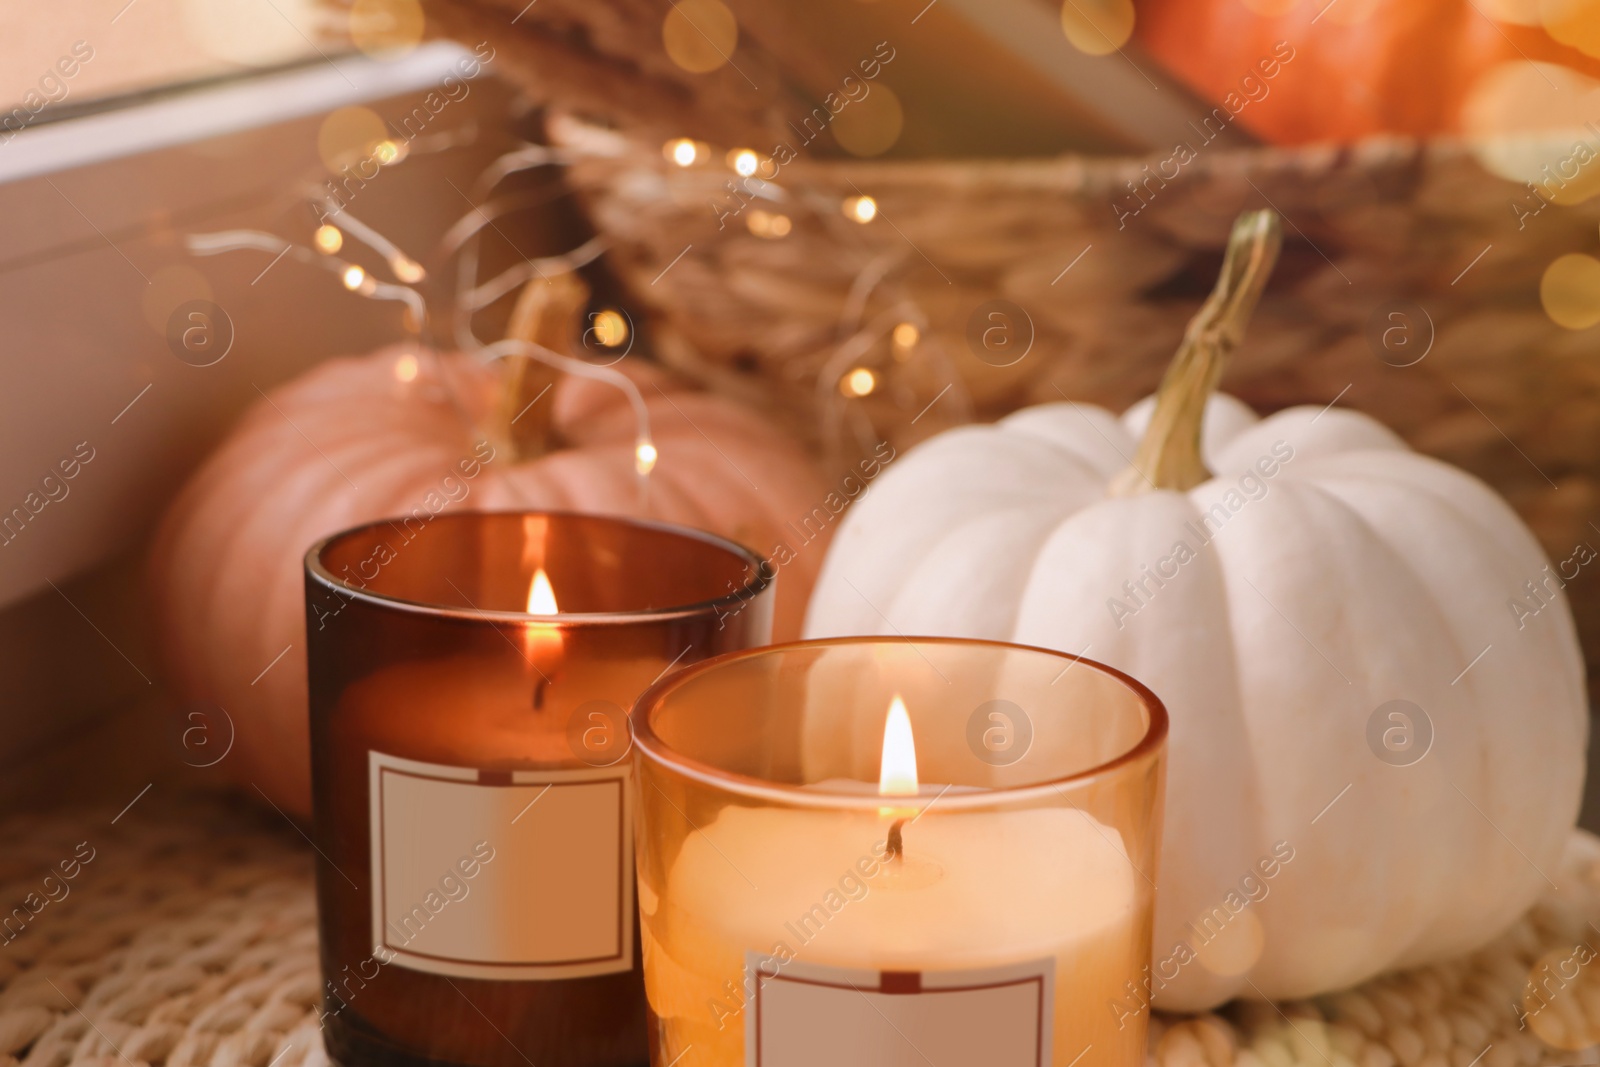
pixel 1169 456
pixel 547 314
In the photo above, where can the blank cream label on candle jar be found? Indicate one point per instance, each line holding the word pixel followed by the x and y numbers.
pixel 805 1015
pixel 501 874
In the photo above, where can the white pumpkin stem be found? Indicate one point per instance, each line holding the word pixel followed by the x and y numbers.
pixel 546 314
pixel 1169 456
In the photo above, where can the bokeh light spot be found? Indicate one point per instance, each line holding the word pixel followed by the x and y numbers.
pixel 350 135
pixel 871 125
pixel 1570 291
pixel 1097 27
pixel 1525 123
pixel 699 35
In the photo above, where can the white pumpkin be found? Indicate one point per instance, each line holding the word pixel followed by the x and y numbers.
pixel 1276 607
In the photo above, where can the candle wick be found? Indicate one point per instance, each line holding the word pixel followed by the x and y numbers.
pixel 895 846
pixel 538 694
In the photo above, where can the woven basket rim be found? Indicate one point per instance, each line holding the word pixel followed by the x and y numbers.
pixel 1094 172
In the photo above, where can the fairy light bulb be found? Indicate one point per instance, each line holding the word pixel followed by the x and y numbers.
pixel 743 161
pixel 862 209
pixel 906 335
pixel 858 383
pixel 406 269
pixel 406 368
pixel 610 328
pixel 644 457
pixel 766 224
pixel 682 151
pixel 325 239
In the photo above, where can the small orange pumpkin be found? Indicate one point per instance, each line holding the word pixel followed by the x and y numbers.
pixel 393 435
pixel 1355 67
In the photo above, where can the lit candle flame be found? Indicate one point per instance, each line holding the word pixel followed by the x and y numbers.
pixel 541 596
pixel 897 774
pixel 542 644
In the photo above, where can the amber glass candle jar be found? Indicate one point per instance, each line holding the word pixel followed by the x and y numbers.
pixel 883 850
pixel 470 678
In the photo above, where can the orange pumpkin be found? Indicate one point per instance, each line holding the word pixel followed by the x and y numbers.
pixel 392 434
pixel 1356 67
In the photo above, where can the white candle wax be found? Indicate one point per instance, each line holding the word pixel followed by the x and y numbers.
pixel 972 890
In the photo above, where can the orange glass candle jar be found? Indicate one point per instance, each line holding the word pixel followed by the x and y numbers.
pixel 469 683
pixel 882 850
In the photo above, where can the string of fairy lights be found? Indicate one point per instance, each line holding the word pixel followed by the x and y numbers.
pixel 847 374
pixel 338 225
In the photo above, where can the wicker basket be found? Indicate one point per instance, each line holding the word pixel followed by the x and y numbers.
pixel 1408 287
pixel 1405 290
